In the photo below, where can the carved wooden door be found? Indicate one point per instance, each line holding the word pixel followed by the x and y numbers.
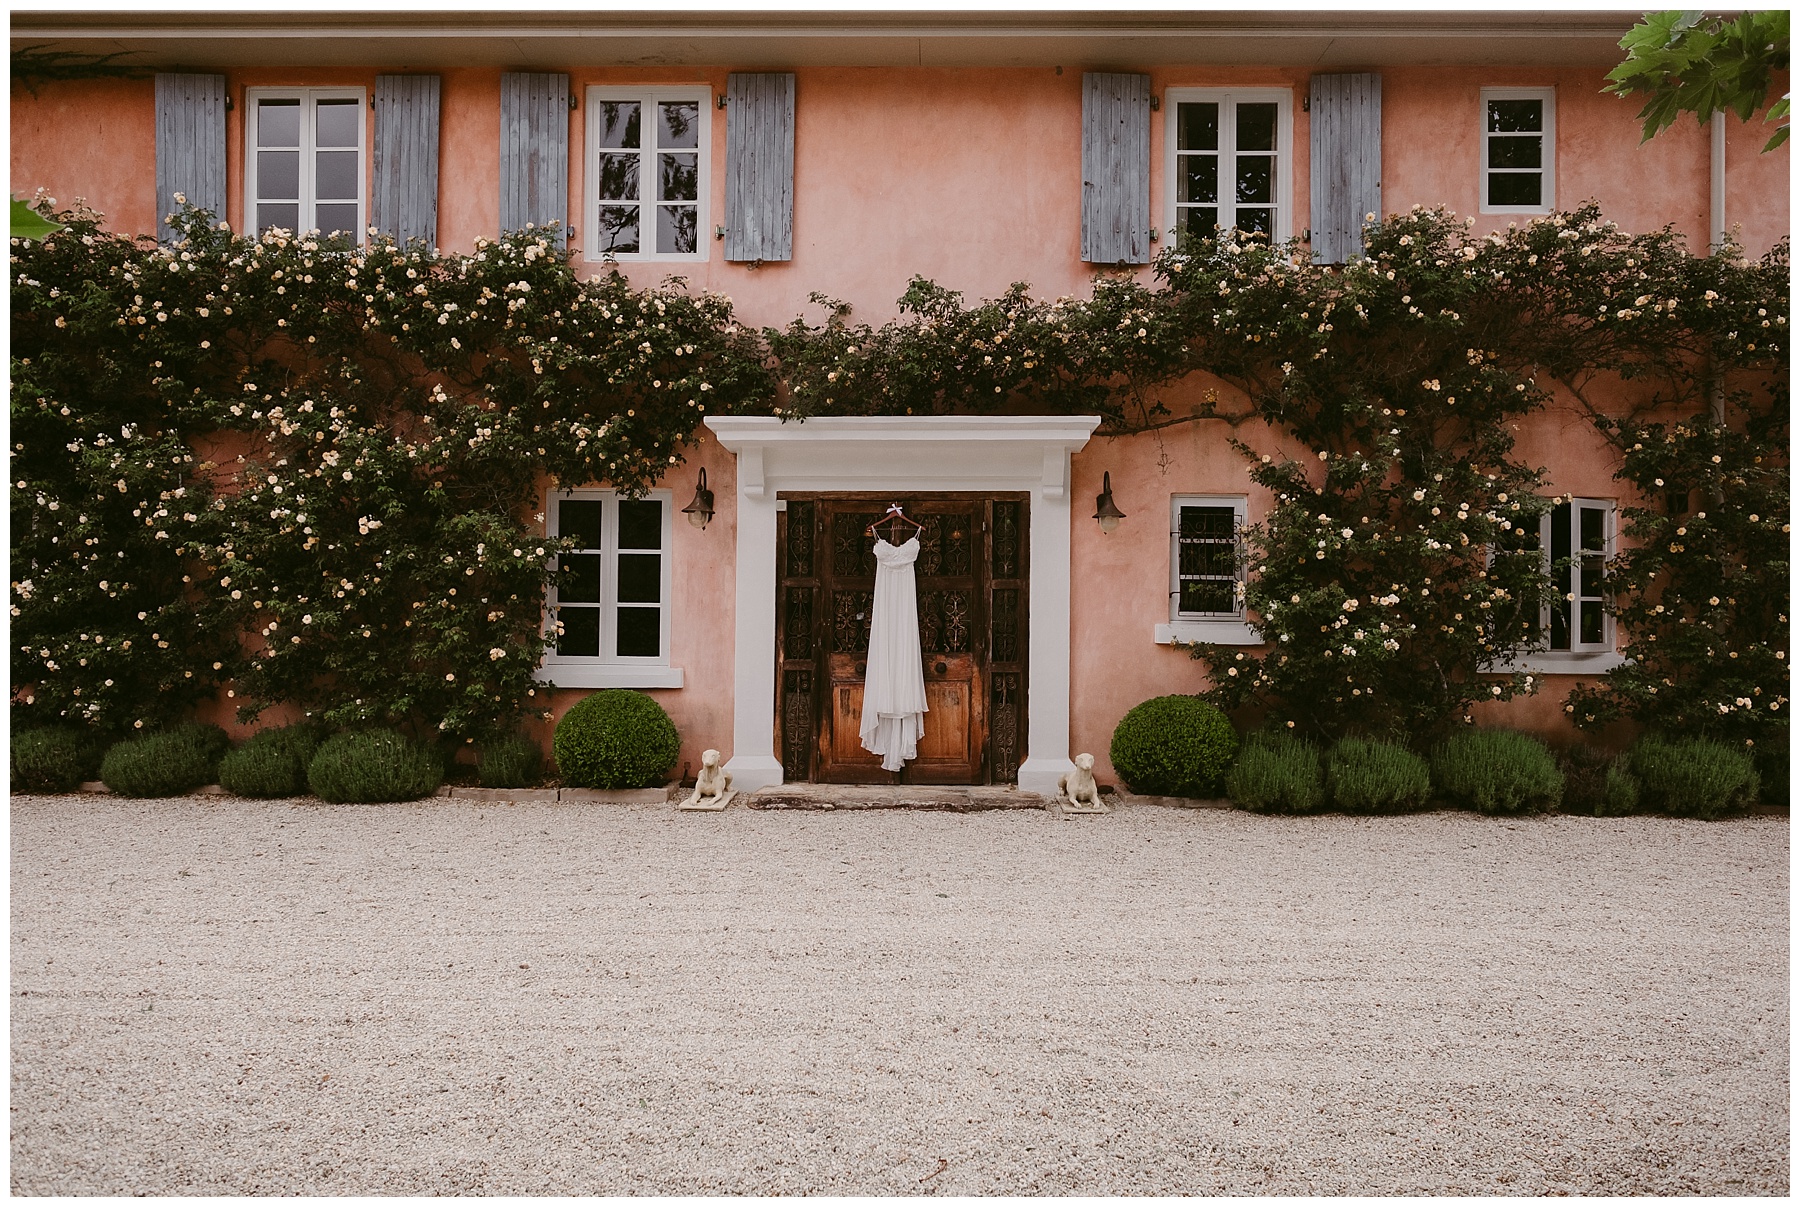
pixel 970 576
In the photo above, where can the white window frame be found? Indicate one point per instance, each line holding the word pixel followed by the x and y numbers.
pixel 1281 189
pixel 1581 658
pixel 648 97
pixel 607 669
pixel 1548 170
pixel 308 98
pixel 1219 628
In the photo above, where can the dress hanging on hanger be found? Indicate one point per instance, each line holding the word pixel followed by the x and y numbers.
pixel 893 712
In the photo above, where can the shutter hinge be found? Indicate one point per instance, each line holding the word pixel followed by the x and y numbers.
pixel 1155 103
pixel 371 102
pixel 718 232
pixel 1306 104
pixel 571 102
pixel 719 101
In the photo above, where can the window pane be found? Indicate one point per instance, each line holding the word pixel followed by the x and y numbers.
pixel 286 216
pixel 277 174
pixel 1208 596
pixel 1197 126
pixel 339 124
pixel 1259 222
pixel 618 228
pixel 581 632
pixel 640 632
pixel 1255 179
pixel 277 123
pixel 580 579
pixel 580 519
pixel 619 177
pixel 1515 188
pixel 336 175
pixel 1593 576
pixel 678 124
pixel 1507 116
pixel 640 578
pixel 680 178
pixel 1202 223
pixel 340 218
pixel 640 523
pixel 1593 529
pixel 1256 127
pixel 1516 151
pixel 677 228
pixel 1561 576
pixel 619 124
pixel 1199 179
pixel 1216 522
pixel 1593 623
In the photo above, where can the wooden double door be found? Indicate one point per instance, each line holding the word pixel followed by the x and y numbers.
pixel 972 582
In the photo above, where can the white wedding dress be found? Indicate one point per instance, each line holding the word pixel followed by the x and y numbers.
pixel 893 711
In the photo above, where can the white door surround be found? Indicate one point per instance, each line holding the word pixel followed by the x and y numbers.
pixel 901 454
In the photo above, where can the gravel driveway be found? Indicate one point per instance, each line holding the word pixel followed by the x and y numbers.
pixel 228 997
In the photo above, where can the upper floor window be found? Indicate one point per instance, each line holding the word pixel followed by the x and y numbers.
pixel 648 159
pixel 1229 160
pixel 303 167
pixel 1518 150
pixel 611 605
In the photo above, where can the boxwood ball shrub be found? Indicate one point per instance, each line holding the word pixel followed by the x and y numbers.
pixel 1173 746
pixel 616 739
pixel 508 761
pixel 1695 777
pixel 1375 777
pixel 271 763
pixel 1277 773
pixel 373 765
pixel 1496 771
pixel 170 763
pixel 55 758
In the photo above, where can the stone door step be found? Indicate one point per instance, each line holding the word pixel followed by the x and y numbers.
pixel 948 798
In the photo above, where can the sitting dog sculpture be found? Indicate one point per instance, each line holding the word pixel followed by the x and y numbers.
pixel 1078 793
pixel 712 788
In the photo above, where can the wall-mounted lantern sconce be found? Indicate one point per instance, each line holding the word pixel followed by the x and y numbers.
pixel 701 509
pixel 1105 510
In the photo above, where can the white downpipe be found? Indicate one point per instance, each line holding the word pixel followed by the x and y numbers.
pixel 1718 180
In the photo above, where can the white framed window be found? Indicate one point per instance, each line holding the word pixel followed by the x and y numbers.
pixel 305 167
pixel 610 610
pixel 1206 571
pixel 649 157
pixel 1229 160
pixel 1518 150
pixel 1576 633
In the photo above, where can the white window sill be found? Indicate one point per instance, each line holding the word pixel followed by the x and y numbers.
pixel 601 674
pixel 1562 662
pixel 1218 632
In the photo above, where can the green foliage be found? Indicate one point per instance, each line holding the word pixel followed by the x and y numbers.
pixel 1277 774
pixel 55 758
pixel 1375 777
pixel 311 472
pixel 165 764
pixel 373 765
pixel 1693 777
pixel 1621 794
pixel 1496 771
pixel 1686 62
pixel 271 763
pixel 1173 746
pixel 615 739
pixel 508 761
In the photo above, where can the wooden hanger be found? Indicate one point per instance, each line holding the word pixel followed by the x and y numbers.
pixel 894 515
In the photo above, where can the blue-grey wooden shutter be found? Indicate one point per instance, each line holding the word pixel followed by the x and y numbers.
pixel 759 166
pixel 406 157
pixel 190 145
pixel 1115 168
pixel 534 150
pixel 1346 163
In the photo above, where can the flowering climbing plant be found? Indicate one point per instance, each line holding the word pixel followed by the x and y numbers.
pixel 311 471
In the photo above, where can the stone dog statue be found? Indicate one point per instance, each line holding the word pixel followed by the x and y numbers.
pixel 712 788
pixel 1078 793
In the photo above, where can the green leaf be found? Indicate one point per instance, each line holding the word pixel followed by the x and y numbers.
pixel 27 223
